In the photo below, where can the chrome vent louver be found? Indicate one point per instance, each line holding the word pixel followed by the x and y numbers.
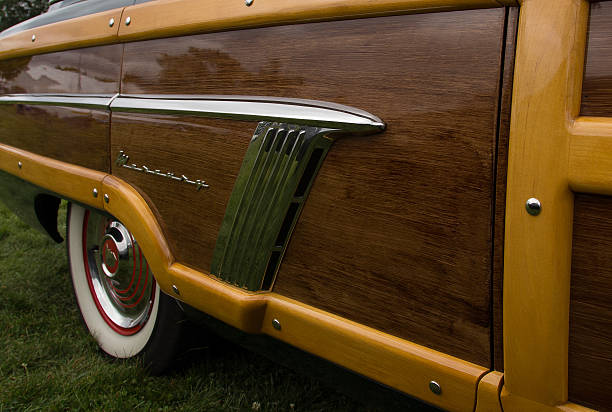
pixel 269 193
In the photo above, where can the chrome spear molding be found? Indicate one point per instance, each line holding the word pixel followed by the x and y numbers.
pixel 87 101
pixel 248 108
pixel 254 108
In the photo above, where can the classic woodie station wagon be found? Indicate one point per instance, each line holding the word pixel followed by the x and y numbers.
pixel 414 190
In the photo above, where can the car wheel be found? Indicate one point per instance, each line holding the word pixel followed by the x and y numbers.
pixel 120 302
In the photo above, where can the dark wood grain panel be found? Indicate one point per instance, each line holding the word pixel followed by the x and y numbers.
pixel 78 136
pixel 210 150
pixel 597 84
pixel 397 231
pixel 501 173
pixel 391 236
pixel 590 342
pixel 89 70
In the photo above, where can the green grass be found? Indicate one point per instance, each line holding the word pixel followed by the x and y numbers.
pixel 49 362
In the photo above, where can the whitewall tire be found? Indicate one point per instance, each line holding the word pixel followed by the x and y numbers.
pixel 120 302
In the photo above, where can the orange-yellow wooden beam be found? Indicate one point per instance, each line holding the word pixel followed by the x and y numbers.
pixel 164 18
pixel 487 396
pixel 512 402
pixel 90 30
pixel 537 260
pixel 590 167
pixel 74 182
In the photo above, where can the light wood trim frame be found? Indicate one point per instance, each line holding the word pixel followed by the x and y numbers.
pixel 590 167
pixel 551 152
pixel 487 397
pixel 73 182
pixel 90 30
pixel 397 363
pixel 165 18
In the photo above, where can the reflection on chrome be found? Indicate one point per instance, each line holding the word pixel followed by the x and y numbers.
pixel 344 119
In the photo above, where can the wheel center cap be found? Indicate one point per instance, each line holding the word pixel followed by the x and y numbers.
pixel 110 257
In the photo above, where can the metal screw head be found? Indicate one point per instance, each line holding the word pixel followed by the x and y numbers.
pixel 175 290
pixel 435 387
pixel 33 37
pixel 19 164
pixel 111 22
pixel 128 20
pixel 95 192
pixel 106 198
pixel 533 206
pixel 276 324
pixel 248 2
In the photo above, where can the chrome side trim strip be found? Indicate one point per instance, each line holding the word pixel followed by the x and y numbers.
pixel 255 108
pixel 247 108
pixel 264 99
pixel 98 101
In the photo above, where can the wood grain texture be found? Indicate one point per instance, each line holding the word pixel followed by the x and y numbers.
pixel 590 342
pixel 397 231
pixel 211 150
pixel 77 136
pixel 402 220
pixel 90 70
pixel 88 30
pixel 391 236
pixel 67 180
pixel 537 251
pixel 597 84
pixel 501 172
pixel 195 16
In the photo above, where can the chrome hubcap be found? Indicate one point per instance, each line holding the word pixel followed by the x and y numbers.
pixel 116 246
pixel 119 277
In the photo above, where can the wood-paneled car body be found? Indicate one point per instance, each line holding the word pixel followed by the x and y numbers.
pixel 415 190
